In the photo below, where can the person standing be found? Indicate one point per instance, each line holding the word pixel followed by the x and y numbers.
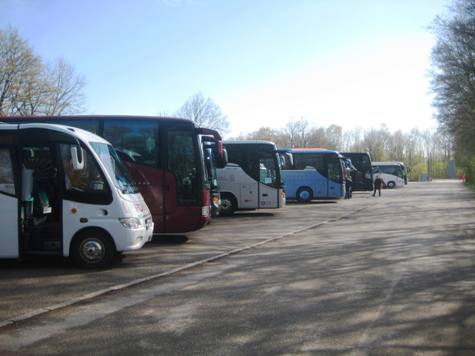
pixel 348 184
pixel 378 182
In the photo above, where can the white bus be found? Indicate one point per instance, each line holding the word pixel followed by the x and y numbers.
pixel 64 191
pixel 392 174
pixel 252 179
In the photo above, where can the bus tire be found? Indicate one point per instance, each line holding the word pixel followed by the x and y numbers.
pixel 228 204
pixel 304 195
pixel 391 185
pixel 93 248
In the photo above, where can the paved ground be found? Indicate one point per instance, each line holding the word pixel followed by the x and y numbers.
pixel 389 275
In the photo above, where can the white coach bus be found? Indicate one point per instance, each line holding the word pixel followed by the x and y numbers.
pixel 392 174
pixel 252 179
pixel 64 191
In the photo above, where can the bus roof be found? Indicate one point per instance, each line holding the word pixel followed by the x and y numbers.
pixel 394 163
pixel 83 135
pixel 313 150
pixel 210 132
pixel 355 153
pixel 91 117
pixel 249 142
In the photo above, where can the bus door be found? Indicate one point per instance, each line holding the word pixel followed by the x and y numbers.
pixel 9 246
pixel 184 181
pixel 335 187
pixel 268 194
pixel 40 194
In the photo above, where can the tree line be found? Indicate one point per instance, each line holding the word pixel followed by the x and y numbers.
pixel 423 151
pixel 453 80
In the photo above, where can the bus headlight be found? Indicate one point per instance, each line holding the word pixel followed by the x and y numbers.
pixel 131 223
pixel 367 175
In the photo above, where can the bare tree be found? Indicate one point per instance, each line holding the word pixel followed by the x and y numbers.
pixel 65 89
pixel 334 135
pixel 375 142
pixel 30 95
pixel 422 151
pixel 204 112
pixel 18 65
pixel 29 87
pixel 298 132
pixel 352 140
pixel 268 134
pixel 396 146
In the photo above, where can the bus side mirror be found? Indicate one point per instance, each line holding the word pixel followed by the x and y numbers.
pixel 282 161
pixel 225 157
pixel 77 158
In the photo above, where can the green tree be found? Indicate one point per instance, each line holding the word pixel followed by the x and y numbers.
pixel 453 78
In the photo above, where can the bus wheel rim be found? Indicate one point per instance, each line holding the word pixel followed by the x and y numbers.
pixel 225 204
pixel 92 250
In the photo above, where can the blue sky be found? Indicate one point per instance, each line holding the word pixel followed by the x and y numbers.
pixel 348 62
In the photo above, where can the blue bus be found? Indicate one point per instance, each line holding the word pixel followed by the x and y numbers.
pixel 314 174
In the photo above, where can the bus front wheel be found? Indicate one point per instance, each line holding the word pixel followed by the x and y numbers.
pixel 391 185
pixel 228 204
pixel 304 195
pixel 93 249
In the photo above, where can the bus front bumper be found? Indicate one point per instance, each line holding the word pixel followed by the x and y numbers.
pixel 136 238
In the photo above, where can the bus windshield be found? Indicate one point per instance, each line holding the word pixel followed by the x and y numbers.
pixel 390 169
pixel 114 167
pixel 259 161
pixel 210 166
pixel 269 173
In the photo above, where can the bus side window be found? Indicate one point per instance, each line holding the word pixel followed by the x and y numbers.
pixel 86 185
pixel 7 181
pixel 303 161
pixel 134 140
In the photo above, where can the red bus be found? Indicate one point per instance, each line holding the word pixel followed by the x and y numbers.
pixel 165 159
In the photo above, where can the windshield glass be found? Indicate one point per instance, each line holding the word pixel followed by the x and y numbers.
pixel 269 169
pixel 394 170
pixel 114 167
pixel 210 167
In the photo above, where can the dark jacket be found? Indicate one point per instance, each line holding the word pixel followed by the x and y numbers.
pixel 378 182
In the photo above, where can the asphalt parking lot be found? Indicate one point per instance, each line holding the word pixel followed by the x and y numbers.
pixel 35 285
pixel 371 275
